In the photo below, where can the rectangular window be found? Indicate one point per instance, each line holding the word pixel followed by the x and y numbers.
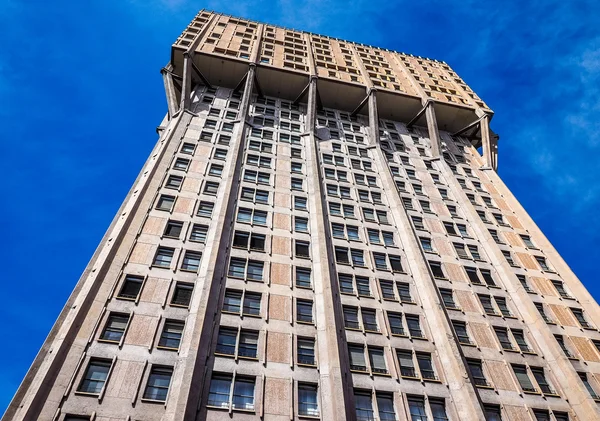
pixel 306 351
pixel 300 224
pixel 115 327
pixel 395 321
pixel 165 202
pixel 578 313
pixel 560 288
pixel 447 298
pixel 461 332
pixel 303 277
pixel 426 366
pixel 357 358
pixel 404 292
pixel 170 337
pixel 436 269
pixel 304 311
pixel 191 261
pixel 540 378
pixel 132 285
pixel 476 370
pixel 416 406
pixel 251 305
pixel 173 229
pixel 205 209
pixel 520 340
pixel 385 403
pixel 302 249
pixel 369 318
pixel 308 400
pixel 198 233
pixel 586 382
pixel 414 326
pixel 377 360
pixel 364 406
pixel 182 294
pixel 95 376
pixel 163 257
pixel 387 290
pixel 503 338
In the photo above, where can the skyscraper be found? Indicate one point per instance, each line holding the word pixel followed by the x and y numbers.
pixel 315 235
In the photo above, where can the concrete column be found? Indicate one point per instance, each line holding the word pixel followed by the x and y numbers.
pixel 186 85
pixel 453 363
pixel 486 142
pixel 563 372
pixel 170 93
pixel 193 373
pixel 335 392
pixel 432 127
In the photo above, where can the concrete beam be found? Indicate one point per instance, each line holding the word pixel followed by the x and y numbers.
pixel 170 93
pixel 432 128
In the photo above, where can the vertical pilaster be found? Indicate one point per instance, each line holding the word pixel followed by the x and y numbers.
pixel 193 373
pixel 453 363
pixel 186 84
pixel 334 390
pixel 563 372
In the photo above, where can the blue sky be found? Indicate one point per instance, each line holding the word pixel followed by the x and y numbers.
pixel 81 96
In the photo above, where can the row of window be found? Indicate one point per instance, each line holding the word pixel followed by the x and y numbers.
pixel 116 326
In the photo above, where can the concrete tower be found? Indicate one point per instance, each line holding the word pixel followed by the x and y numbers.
pixel 316 236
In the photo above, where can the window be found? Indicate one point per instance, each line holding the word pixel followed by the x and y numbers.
pixel 416 406
pixel 404 292
pixel 165 202
pixel 487 277
pixel 540 308
pixel 486 303
pixel 426 366
pixel 387 290
pixel 527 241
pixel 304 311
pixel 385 403
pixel 205 209
pixel 170 337
pixel 95 376
pixel 199 233
pixel 115 328
pixel 541 415
pixel 560 288
pixel 499 219
pixel 158 383
pixel 174 182
pixel 414 326
pixel 377 360
pixel 220 390
pixel 436 269
pixel 306 351
pixel 173 229
pixel 501 303
pixel 578 313
pixel 341 255
pixel 448 299
pixel 476 370
pixel 132 285
pixel 438 409
pixel 561 341
pixel 300 203
pixel 426 244
pixel 307 400
pixel 461 332
pixel 369 318
pixel 363 286
pixel 163 257
pixel 182 294
pixel 520 340
pixel 357 358
pixel 523 280
pixel 188 148
pixel 248 269
pixel 191 261
pixel 417 222
pixel 495 236
pixel 76 418
pixel 388 238
pixel 482 216
pixel 246 240
pixel 503 338
pixel 302 249
pixel 586 382
pixel 251 305
pixel 492 413
pixel 364 406
pixel 303 277
pixel 357 257
pixel 300 224
pixel 252 216
pixel 220 154
pixel 216 170
pixel 540 378
pixel 425 206
pixel 395 321
pixel 450 228
pixel 542 262
pixel 509 259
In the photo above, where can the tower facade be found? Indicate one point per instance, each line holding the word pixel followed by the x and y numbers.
pixel 316 236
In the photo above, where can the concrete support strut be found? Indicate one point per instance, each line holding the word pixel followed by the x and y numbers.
pixel 170 92
pixel 432 128
pixel 186 87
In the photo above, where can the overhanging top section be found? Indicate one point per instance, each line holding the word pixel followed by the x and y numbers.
pixel 223 46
